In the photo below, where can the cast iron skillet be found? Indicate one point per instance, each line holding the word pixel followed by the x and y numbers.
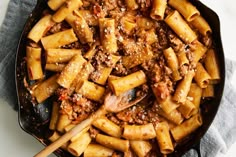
pixel 34 118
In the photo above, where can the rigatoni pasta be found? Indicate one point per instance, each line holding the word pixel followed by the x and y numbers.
pixel 183 130
pixel 59 39
pixel 181 27
pixel 139 132
pixel 71 70
pixel 34 64
pixel 141 148
pixel 41 28
pixel 163 138
pixel 188 10
pixel 158 9
pixel 80 27
pixel 68 7
pixel 151 59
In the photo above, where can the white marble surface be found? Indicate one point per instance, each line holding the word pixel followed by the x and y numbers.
pixel 16 143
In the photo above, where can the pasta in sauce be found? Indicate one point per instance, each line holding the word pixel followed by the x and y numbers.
pixel 153 48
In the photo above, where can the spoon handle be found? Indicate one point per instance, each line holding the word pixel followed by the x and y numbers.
pixel 67 136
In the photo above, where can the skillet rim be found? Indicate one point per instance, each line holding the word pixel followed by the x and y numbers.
pixel 179 151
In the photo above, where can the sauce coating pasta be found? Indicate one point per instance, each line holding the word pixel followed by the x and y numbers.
pixel 120 47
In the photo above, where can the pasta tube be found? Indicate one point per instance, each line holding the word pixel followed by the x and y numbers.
pixel 194 95
pixel 139 132
pixel 131 4
pixel 54 67
pixel 163 138
pixel 212 66
pixel 90 90
pixel 77 147
pixel 40 28
pixel 128 24
pixel 82 75
pixel 189 11
pixel 208 92
pixel 141 148
pixel 202 77
pixel 66 9
pixel 158 9
pixel 186 128
pixel 182 59
pixel 174 116
pixel 183 87
pixel 70 71
pixel 91 52
pixel 96 150
pixel 187 109
pixel 137 58
pixel 54 116
pixel 107 34
pixel 198 50
pixel 144 23
pixel 167 105
pixel 63 122
pixel 45 89
pixel 80 26
pixel 172 62
pixel 180 27
pixel 61 55
pixel 113 142
pixel 107 126
pixel 89 17
pixel 59 39
pixel 128 82
pixel 149 36
pixel 201 25
pixel 55 4
pixel 34 65
pixel 106 71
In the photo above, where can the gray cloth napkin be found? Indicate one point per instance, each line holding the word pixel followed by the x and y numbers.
pixel 220 135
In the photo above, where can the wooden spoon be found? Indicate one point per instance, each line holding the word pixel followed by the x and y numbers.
pixel 112 103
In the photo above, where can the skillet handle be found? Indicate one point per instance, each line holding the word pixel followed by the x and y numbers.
pixel 197 148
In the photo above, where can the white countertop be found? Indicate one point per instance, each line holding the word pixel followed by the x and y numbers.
pixel 16 143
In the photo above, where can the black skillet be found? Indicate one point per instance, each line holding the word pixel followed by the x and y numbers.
pixel 34 118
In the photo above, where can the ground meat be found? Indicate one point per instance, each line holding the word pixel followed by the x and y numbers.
pixel 162 37
pixel 131 47
pixel 133 115
pixel 93 132
pixel 109 4
pixel 156 73
pixel 95 75
pixel 62 94
pixel 189 55
pixel 113 118
pixel 144 4
pixel 103 58
pixel 183 70
pixel 175 42
pixel 120 70
pixel 75 106
pixel 161 90
pixel 74 45
pixel 207 41
pixel 56 28
pixel 99 11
